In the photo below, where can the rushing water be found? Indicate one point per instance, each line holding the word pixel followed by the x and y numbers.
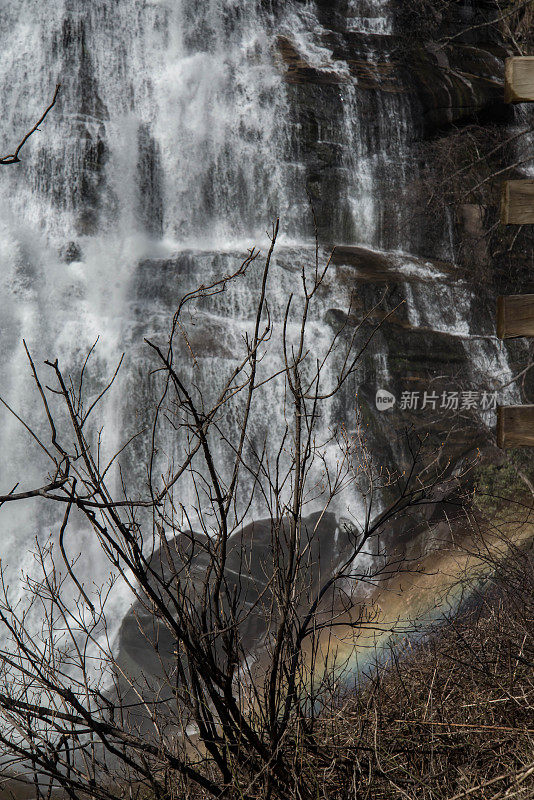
pixel 173 145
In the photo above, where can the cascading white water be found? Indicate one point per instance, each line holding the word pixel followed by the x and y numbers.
pixel 168 154
pixel 170 133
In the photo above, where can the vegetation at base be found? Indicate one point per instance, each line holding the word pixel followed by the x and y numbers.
pixel 451 717
pixel 448 718
pixel 494 483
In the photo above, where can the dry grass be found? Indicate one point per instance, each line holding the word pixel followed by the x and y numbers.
pixel 452 717
pixel 448 718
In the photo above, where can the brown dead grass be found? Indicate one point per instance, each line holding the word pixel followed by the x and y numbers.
pixel 450 717
pixel 453 716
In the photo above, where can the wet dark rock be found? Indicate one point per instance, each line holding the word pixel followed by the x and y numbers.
pixel 81 104
pixel 406 354
pixel 145 647
pixel 431 75
pixel 150 183
pixel 71 252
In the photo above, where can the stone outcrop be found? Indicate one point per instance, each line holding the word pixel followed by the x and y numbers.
pixel 378 102
pixel 145 646
pixel 391 101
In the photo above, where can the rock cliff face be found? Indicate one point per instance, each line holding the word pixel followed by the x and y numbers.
pixel 386 103
pixel 376 93
pixel 391 110
pixel 184 128
pixel 412 102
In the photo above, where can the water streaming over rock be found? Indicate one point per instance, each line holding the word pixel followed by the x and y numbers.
pixel 181 131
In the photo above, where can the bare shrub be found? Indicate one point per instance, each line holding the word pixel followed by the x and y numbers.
pixel 227 679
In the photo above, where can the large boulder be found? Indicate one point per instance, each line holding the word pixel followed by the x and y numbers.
pixel 146 648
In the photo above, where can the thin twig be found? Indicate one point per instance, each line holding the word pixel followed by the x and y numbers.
pixel 14 157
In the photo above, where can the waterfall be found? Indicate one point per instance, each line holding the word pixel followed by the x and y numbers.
pixel 176 140
pixel 166 156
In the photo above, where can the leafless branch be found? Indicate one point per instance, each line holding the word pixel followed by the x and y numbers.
pixel 14 158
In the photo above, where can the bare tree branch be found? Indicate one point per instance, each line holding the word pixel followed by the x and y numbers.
pixel 14 158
